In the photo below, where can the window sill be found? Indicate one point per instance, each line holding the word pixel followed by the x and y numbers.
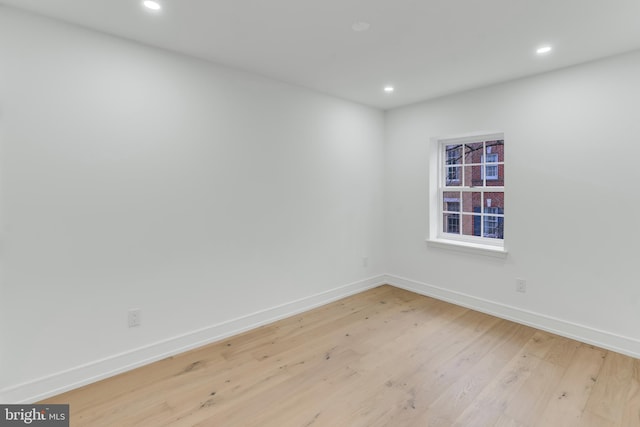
pixel 466 247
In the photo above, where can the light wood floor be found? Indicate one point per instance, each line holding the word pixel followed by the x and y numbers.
pixel 386 357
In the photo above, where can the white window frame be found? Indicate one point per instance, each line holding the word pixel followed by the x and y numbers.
pixel 438 185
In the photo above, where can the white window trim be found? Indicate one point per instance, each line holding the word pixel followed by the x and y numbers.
pixel 470 248
pixel 435 238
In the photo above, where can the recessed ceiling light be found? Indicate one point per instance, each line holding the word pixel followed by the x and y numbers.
pixel 389 89
pixel 360 26
pixel 151 4
pixel 542 50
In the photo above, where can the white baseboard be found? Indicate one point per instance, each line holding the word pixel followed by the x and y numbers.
pixel 79 376
pixel 582 333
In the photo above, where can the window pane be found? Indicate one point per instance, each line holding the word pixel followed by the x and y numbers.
pixel 471 202
pixel 471 225
pixel 494 202
pixel 491 172
pixel 493 227
pixel 451 223
pixel 491 157
pixel 473 176
pixel 453 175
pixel 473 152
pixel 453 154
pixel 495 147
pixel 497 179
pixel 451 201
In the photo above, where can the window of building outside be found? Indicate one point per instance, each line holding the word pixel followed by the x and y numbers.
pixel 469 191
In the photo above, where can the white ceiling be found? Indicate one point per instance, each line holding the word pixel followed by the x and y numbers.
pixel 425 48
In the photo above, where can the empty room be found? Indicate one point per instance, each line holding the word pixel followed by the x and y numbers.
pixel 289 213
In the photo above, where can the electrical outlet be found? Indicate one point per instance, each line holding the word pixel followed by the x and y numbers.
pixel 521 285
pixel 134 317
pixel 365 261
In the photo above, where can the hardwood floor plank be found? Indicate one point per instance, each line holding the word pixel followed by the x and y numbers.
pixel 459 394
pixel 383 358
pixel 528 403
pixel 570 397
pixel 636 369
pixel 562 351
pixel 608 396
pixel 505 421
pixel 589 419
pixel 497 396
pixel 631 412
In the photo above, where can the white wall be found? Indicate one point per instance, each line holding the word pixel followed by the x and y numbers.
pixel 215 200
pixel 571 228
pixel 136 178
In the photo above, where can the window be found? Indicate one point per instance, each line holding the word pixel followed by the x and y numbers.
pixel 467 191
